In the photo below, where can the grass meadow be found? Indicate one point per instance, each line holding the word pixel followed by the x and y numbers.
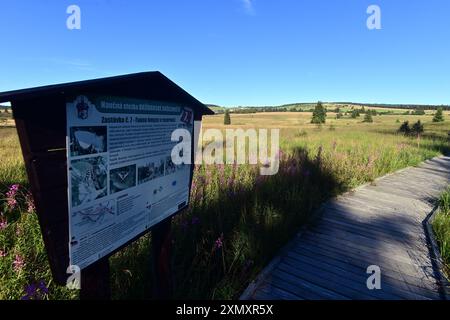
pixel 237 219
pixel 441 228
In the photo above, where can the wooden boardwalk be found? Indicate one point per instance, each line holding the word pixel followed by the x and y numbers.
pixel 379 224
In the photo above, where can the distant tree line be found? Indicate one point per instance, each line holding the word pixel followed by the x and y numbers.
pixel 308 107
pixel 396 106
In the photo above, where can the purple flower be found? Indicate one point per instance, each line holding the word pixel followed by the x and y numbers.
pixel 35 291
pixel 14 188
pixel 43 287
pixel 30 289
pixel 2 254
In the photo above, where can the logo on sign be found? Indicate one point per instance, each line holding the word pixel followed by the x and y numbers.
pixel 82 108
pixel 186 116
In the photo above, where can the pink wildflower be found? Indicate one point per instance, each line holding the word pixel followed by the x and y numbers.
pixel 30 204
pixel 18 263
pixel 11 195
pixel 3 224
pixel 219 242
pixel 12 203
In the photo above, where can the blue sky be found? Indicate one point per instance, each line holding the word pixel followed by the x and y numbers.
pixel 237 52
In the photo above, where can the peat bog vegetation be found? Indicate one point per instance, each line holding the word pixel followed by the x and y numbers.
pixel 441 228
pixel 237 219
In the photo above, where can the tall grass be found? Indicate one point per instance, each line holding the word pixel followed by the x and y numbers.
pixel 24 265
pixel 237 219
pixel 441 227
pixel 12 169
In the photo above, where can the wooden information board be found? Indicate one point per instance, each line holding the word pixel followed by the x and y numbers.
pixel 97 158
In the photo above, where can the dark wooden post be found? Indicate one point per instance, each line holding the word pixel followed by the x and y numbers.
pixel 162 273
pixel 95 281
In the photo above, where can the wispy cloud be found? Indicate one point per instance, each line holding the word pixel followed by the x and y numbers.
pixel 248 6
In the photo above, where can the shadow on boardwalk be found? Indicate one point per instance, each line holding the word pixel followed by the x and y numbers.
pixel 378 224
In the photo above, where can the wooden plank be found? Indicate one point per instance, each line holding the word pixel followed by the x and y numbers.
pixel 396 247
pixel 389 200
pixel 373 227
pixel 393 264
pixel 383 223
pixel 400 190
pixel 354 261
pixel 320 268
pixel 417 177
pixel 402 244
pixel 400 224
pixel 367 247
pixel 301 290
pixel 394 286
pixel 379 207
pixel 270 292
pixel 351 225
pixel 396 189
pixel 435 172
pixel 325 280
pixel 322 292
pixel 356 281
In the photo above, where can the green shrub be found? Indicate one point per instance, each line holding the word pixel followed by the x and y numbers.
pixel 368 118
pixel 355 114
pixel 319 114
pixel 417 128
pixel 405 128
pixel 439 116
pixel 226 117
